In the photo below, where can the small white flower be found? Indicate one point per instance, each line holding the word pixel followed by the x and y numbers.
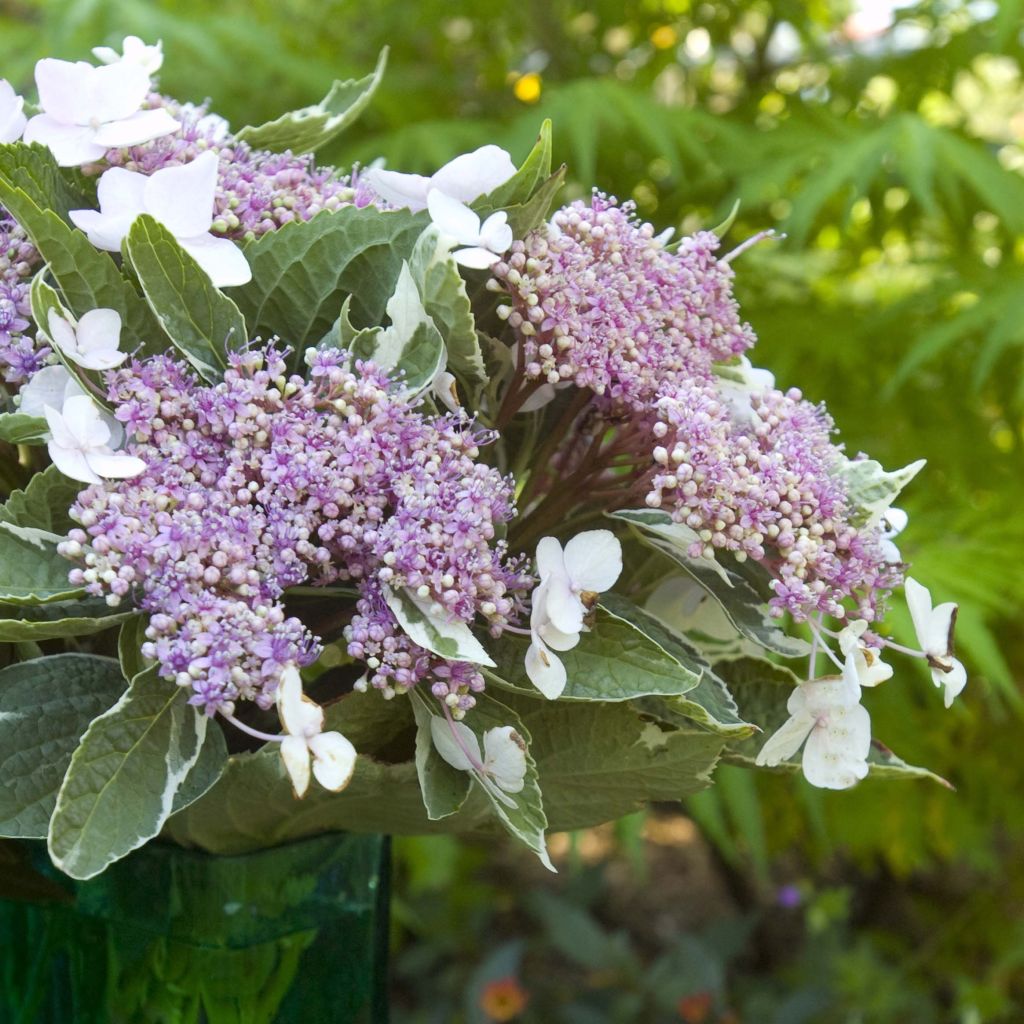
pixel 12 116
pixel 180 198
pixel 79 444
pixel 570 581
pixel 826 715
pixel 868 667
pixel 934 627
pixel 485 242
pixel 501 767
pixel 88 110
pixel 466 178
pixel 330 756
pixel 149 57
pixel 442 387
pixel 894 522
pixel 92 342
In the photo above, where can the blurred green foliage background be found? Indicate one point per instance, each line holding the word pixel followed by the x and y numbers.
pixel 887 142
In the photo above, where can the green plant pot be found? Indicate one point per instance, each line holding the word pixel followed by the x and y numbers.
pixel 297 933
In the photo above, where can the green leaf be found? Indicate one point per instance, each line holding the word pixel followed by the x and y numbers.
pixel 44 503
pixel 207 770
pixel 123 778
pixel 761 689
pixel 444 788
pixel 524 217
pixel 87 277
pixel 444 296
pixel 60 619
pixel 34 170
pixel 31 571
pixel 448 639
pixel 870 489
pixel 536 169
pixel 17 428
pixel 303 272
pixel 740 602
pixel 411 344
pixel 617 660
pixel 201 321
pixel 306 130
pixel 129 644
pixel 46 704
pixel 709 704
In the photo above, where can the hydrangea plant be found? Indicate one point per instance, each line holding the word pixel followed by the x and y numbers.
pixel 373 501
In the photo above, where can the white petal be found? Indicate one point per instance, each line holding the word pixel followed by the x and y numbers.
pixel 70 144
pixel 541 397
pixel 453 218
pixel 459 753
pixel 142 126
pixel 334 760
pixel 919 601
pixel 82 418
pixel 65 90
pixel 556 639
pixel 114 465
pixel 99 337
pixel 472 175
pixel 954 681
pixel 72 463
pixel 46 388
pixel 402 190
pixel 495 233
pixel 545 670
pixel 104 232
pixel 106 54
pixel 12 116
pixel 850 634
pixel 443 388
pixel 181 198
pixel 836 753
pixel 475 258
pixel 785 742
pixel 505 758
pixel 550 557
pixel 295 754
pixel 122 193
pixel 118 91
pixel 895 520
pixel 220 258
pixel 563 606
pixel 62 333
pixel 940 630
pixel 593 560
pixel 299 715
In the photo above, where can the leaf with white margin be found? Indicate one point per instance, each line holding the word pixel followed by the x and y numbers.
pixel 444 787
pixel 19 428
pixel 761 689
pixel 200 320
pixel 412 343
pixel 46 704
pixel 44 503
pixel 624 656
pixel 535 170
pixel 90 615
pixel 444 297
pixel 871 489
pixel 740 602
pixel 31 571
pixel 121 784
pixel 306 130
pixel 675 537
pixel 451 639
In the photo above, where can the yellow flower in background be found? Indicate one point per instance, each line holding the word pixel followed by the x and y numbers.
pixel 527 88
pixel 663 37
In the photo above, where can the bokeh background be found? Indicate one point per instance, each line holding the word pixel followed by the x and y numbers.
pixel 887 141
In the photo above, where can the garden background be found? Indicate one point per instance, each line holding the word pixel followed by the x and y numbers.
pixel 887 142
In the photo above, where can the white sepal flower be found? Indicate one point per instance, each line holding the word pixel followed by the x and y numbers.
pixel 934 627
pixel 307 749
pixel 88 110
pixel 53 386
pixel 894 522
pixel 825 716
pixel 134 51
pixel 180 198
pixel 500 767
pixel 484 242
pixel 79 444
pixel 92 342
pixel 12 114
pixel 869 668
pixel 570 581
pixel 466 178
